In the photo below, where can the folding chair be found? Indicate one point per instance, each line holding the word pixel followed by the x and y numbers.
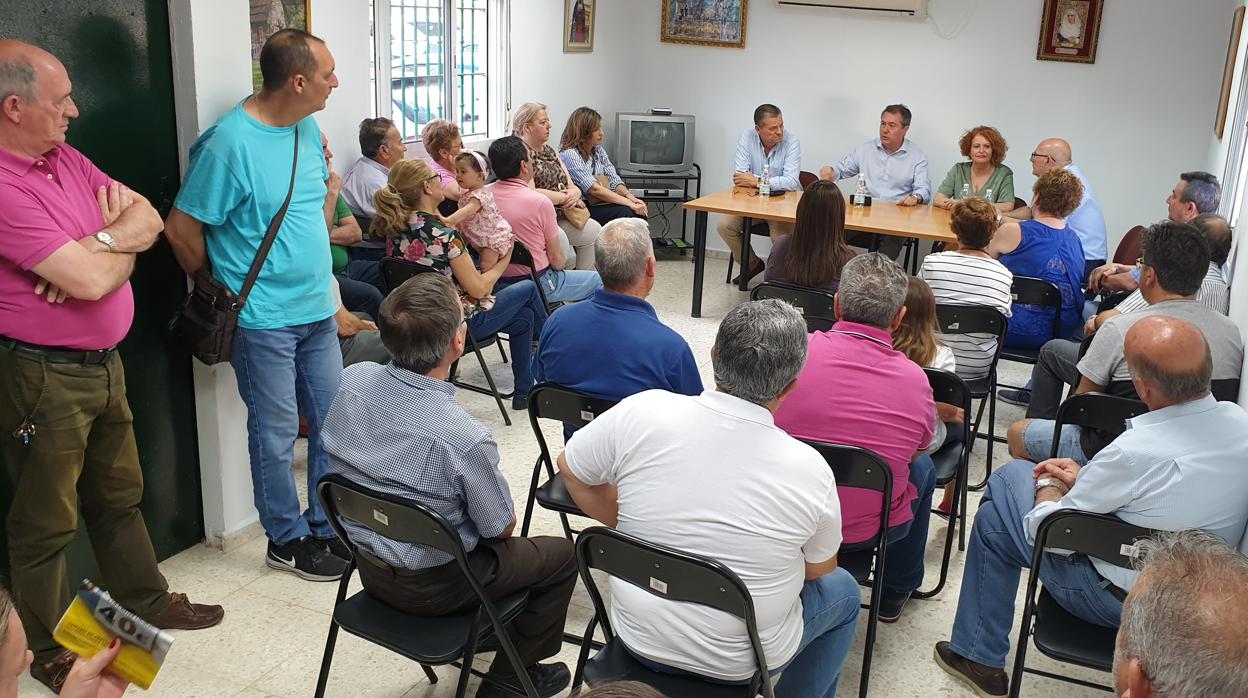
pixel 1225 389
pixel 670 574
pixel 858 467
pixel 549 401
pixel 1107 414
pixel 1057 632
pixel 394 271
pixel 974 319
pixel 952 462
pixel 1028 290
pixel 817 306
pixel 522 256
pixel 452 639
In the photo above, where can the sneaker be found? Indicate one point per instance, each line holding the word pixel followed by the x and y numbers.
pixel 548 679
pixel 307 559
pixel 53 672
pixel 986 681
pixel 1022 398
pixel 184 615
pixel 891 605
pixel 335 546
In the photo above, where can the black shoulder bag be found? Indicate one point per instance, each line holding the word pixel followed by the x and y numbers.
pixel 208 317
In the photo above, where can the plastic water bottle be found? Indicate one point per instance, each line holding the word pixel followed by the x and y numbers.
pixel 764 182
pixel 966 192
pixel 988 196
pixel 860 192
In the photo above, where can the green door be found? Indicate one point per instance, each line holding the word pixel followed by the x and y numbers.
pixel 118 56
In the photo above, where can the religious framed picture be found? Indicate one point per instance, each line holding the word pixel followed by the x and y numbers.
pixel 578 25
pixel 1228 72
pixel 1069 29
pixel 704 22
pixel 269 16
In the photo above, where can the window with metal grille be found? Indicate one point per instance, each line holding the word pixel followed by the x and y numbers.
pixel 440 59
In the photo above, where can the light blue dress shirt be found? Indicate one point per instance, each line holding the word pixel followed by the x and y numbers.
pixel 1087 221
pixel 361 182
pixel 1176 468
pixel 889 177
pixel 784 162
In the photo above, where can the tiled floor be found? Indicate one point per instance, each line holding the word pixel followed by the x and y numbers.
pixel 273 635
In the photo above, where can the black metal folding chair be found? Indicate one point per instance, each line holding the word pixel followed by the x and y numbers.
pixel 952 462
pixel 549 401
pixel 974 319
pixel 394 271
pixel 858 467
pixel 670 574
pixel 522 256
pixel 1057 632
pixel 452 639
pixel 1027 290
pixel 1225 389
pixel 817 306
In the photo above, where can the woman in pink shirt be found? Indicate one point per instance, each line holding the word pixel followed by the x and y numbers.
pixel 443 144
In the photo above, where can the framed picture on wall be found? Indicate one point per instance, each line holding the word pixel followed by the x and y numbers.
pixel 719 23
pixel 269 16
pixel 578 25
pixel 1068 30
pixel 1228 72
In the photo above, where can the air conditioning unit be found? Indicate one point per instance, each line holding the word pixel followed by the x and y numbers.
pixel 906 8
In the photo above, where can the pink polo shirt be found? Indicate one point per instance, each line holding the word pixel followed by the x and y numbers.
pixel 532 219
pixel 857 390
pixel 46 203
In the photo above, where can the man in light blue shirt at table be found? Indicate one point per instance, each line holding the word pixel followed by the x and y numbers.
pixel 895 168
pixel 767 143
pixel 1178 467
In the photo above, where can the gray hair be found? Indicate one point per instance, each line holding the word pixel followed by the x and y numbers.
pixel 1201 189
pixel 17 77
pixel 1184 620
pixel 621 252
pixel 872 290
pixel 419 320
pixel 759 349
pixel 523 116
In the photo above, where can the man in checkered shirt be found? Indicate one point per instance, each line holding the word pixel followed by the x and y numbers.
pixel 396 428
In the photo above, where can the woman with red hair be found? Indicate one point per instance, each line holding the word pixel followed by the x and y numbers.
pixel 982 173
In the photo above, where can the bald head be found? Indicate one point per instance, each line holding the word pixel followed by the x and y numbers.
pixel 1169 361
pixel 1217 232
pixel 1051 154
pixel 35 102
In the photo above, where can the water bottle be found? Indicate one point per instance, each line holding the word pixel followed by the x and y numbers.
pixel 988 196
pixel 966 191
pixel 764 182
pixel 859 198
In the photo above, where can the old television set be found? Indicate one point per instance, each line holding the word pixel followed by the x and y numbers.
pixel 650 142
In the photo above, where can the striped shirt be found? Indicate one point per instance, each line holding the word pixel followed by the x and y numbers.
pixel 1213 294
pixel 404 434
pixel 960 279
pixel 584 171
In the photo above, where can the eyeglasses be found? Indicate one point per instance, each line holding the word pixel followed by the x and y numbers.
pixel 1038 155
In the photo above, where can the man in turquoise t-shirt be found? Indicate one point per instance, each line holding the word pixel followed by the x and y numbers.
pixel 286 354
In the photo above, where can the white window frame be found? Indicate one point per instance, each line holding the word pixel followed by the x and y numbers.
pixel 498 81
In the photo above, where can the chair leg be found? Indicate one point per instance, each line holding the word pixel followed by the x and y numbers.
pixel 532 498
pixel 430 673
pixel 567 529
pixel 470 651
pixel 489 378
pixel 944 562
pixel 728 276
pixel 578 675
pixel 992 432
pixel 501 352
pixel 327 659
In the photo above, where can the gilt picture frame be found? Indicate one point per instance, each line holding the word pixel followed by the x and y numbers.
pixel 719 23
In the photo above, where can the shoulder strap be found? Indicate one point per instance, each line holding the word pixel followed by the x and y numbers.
pixel 269 235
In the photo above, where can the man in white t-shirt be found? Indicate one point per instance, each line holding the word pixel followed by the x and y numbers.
pixel 712 475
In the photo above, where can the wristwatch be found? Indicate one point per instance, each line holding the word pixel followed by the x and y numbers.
pixel 1048 482
pixel 107 239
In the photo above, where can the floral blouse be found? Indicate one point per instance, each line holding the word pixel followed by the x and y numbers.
pixel 427 243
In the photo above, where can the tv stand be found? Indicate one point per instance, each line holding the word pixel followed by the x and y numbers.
pixel 666 188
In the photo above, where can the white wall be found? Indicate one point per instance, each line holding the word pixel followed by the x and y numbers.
pixel 1136 118
pixel 344 25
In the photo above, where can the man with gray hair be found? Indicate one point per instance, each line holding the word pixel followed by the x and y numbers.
pixel 614 345
pixel 381 146
pixel 397 429
pixel 1182 631
pixel 857 390
pixel 1177 467
pixel 713 476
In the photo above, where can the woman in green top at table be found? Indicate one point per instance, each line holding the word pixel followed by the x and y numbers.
pixel 986 149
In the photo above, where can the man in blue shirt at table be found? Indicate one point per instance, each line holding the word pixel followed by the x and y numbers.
pixel 895 168
pixel 1178 467
pixel 613 345
pixel 767 143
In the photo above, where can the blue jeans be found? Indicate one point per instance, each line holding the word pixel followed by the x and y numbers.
pixel 281 373
pixel 907 542
pixel 830 607
pixel 359 296
pixel 519 313
pixel 998 553
pixel 1038 440
pixel 574 285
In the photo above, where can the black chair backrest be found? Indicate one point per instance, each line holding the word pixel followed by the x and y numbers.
pixel 949 388
pixel 1107 414
pixel 1028 290
pixel 395 270
pixel 386 515
pixel 1225 389
pixel 817 306
pixel 524 257
pixel 1101 536
pixel 550 401
pixel 365 224
pixel 857 467
pixel 968 319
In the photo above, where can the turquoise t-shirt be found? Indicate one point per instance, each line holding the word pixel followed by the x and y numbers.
pixel 237 179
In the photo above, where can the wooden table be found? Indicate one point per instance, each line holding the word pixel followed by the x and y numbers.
pixel 883 217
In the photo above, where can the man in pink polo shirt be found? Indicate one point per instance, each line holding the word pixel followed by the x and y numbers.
pixel 856 389
pixel 70 235
pixel 532 219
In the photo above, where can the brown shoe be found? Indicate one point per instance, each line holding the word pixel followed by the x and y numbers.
pixel 184 615
pixel 52 673
pixel 986 681
pixel 756 267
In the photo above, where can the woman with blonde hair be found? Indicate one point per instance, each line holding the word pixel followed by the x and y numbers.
pixel 581 150
pixel 984 173
pixel 405 217
pixel 577 231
